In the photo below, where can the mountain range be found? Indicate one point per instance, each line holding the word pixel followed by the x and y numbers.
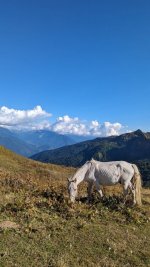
pixel 12 141
pixel 27 143
pixel 132 147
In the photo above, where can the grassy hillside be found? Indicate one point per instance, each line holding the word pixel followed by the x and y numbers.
pixel 39 227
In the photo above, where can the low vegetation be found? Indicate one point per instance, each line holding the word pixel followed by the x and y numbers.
pixel 39 227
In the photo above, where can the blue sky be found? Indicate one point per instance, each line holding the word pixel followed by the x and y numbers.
pixel 85 59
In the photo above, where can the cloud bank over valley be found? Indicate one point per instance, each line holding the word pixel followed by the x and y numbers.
pixel 39 119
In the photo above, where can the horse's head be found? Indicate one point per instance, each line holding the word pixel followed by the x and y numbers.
pixel 72 189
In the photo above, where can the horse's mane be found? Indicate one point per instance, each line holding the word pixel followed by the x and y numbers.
pixel 81 171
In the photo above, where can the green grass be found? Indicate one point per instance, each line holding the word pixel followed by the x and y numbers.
pixel 53 233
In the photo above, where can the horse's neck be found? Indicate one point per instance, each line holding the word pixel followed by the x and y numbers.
pixel 81 173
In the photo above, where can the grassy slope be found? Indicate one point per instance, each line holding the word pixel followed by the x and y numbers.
pixel 51 232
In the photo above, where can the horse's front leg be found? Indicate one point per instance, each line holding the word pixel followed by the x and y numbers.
pixel 89 191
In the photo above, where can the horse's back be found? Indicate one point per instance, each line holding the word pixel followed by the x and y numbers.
pixel 112 172
pixel 124 164
pixel 107 174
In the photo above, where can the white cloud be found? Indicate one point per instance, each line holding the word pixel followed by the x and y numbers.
pixel 24 119
pixel 67 119
pixel 95 123
pixel 68 125
pixel 107 129
pixel 38 119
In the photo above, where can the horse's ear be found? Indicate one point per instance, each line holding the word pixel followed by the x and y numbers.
pixel 72 180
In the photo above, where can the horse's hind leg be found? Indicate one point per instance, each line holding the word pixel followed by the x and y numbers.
pixel 89 190
pixel 127 186
pixel 99 190
pixel 125 191
pixel 131 186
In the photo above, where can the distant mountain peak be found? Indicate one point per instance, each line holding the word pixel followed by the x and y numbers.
pixel 138 132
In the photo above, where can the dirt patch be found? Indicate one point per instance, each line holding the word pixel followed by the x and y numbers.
pixel 9 225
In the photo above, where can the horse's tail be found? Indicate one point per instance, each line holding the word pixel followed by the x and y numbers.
pixel 138 184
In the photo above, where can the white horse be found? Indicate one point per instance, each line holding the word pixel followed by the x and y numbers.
pixel 107 173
